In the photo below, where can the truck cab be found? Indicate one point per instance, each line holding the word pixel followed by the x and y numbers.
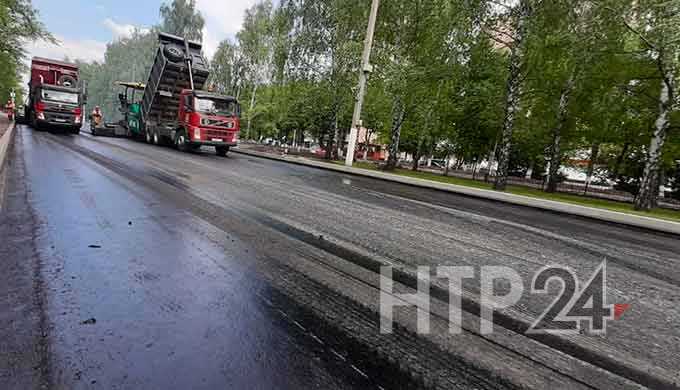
pixel 208 119
pixel 55 97
pixel 56 106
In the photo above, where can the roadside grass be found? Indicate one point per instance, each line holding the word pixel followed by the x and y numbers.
pixel 612 205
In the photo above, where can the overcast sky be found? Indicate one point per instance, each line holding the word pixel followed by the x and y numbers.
pixel 84 27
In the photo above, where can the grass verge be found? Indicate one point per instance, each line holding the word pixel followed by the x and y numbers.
pixel 605 204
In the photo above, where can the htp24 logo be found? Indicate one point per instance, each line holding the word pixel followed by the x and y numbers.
pixel 575 304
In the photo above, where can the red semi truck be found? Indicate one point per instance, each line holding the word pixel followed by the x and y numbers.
pixel 56 95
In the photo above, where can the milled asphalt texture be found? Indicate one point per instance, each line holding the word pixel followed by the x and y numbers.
pixel 132 266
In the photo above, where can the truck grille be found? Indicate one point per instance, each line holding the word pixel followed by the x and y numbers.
pixel 211 133
pixel 58 117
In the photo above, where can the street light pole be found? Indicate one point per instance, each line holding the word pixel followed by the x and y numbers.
pixel 366 68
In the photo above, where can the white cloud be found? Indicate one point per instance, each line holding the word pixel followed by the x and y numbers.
pixel 223 19
pixel 81 49
pixel 210 43
pixel 121 30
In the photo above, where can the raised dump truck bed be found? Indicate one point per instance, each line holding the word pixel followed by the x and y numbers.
pixel 168 77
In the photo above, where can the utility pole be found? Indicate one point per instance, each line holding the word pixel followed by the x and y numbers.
pixel 366 69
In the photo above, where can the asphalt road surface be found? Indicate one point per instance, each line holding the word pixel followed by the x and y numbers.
pixel 126 265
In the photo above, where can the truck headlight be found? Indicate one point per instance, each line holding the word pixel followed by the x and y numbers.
pixel 197 134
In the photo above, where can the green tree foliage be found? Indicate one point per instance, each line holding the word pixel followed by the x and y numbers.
pixel 226 69
pixel 19 24
pixel 532 84
pixel 181 18
pixel 522 85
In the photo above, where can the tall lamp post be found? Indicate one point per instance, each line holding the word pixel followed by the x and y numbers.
pixel 366 69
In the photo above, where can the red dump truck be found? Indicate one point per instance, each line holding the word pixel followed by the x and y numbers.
pixel 176 110
pixel 56 95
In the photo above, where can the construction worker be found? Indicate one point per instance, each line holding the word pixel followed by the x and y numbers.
pixel 96 117
pixel 10 109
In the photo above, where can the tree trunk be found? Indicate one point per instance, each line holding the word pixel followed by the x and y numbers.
pixel 398 114
pixel 417 154
pixel 555 148
pixel 367 142
pixel 647 197
pixel 331 147
pixel 491 160
pixel 336 136
pixel 619 160
pixel 512 95
pixel 594 153
pixel 250 111
pixel 530 171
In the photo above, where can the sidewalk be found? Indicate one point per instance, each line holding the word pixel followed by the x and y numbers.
pixel 640 221
pixel 6 130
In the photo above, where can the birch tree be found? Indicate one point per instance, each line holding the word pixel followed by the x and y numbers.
pixel 520 15
pixel 567 45
pixel 255 41
pixel 656 23
pixel 226 69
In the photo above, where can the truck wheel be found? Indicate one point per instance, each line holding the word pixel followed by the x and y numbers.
pixel 67 81
pixel 34 123
pixel 75 130
pixel 221 150
pixel 147 137
pixel 156 138
pixel 173 53
pixel 181 143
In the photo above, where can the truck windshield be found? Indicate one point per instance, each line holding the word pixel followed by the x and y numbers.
pixel 60 96
pixel 217 107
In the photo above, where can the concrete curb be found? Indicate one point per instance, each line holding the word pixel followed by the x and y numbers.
pixel 5 143
pixel 655 224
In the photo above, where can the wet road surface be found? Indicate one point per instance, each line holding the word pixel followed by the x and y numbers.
pixel 157 269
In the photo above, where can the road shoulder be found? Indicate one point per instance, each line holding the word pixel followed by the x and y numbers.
pixel 22 319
